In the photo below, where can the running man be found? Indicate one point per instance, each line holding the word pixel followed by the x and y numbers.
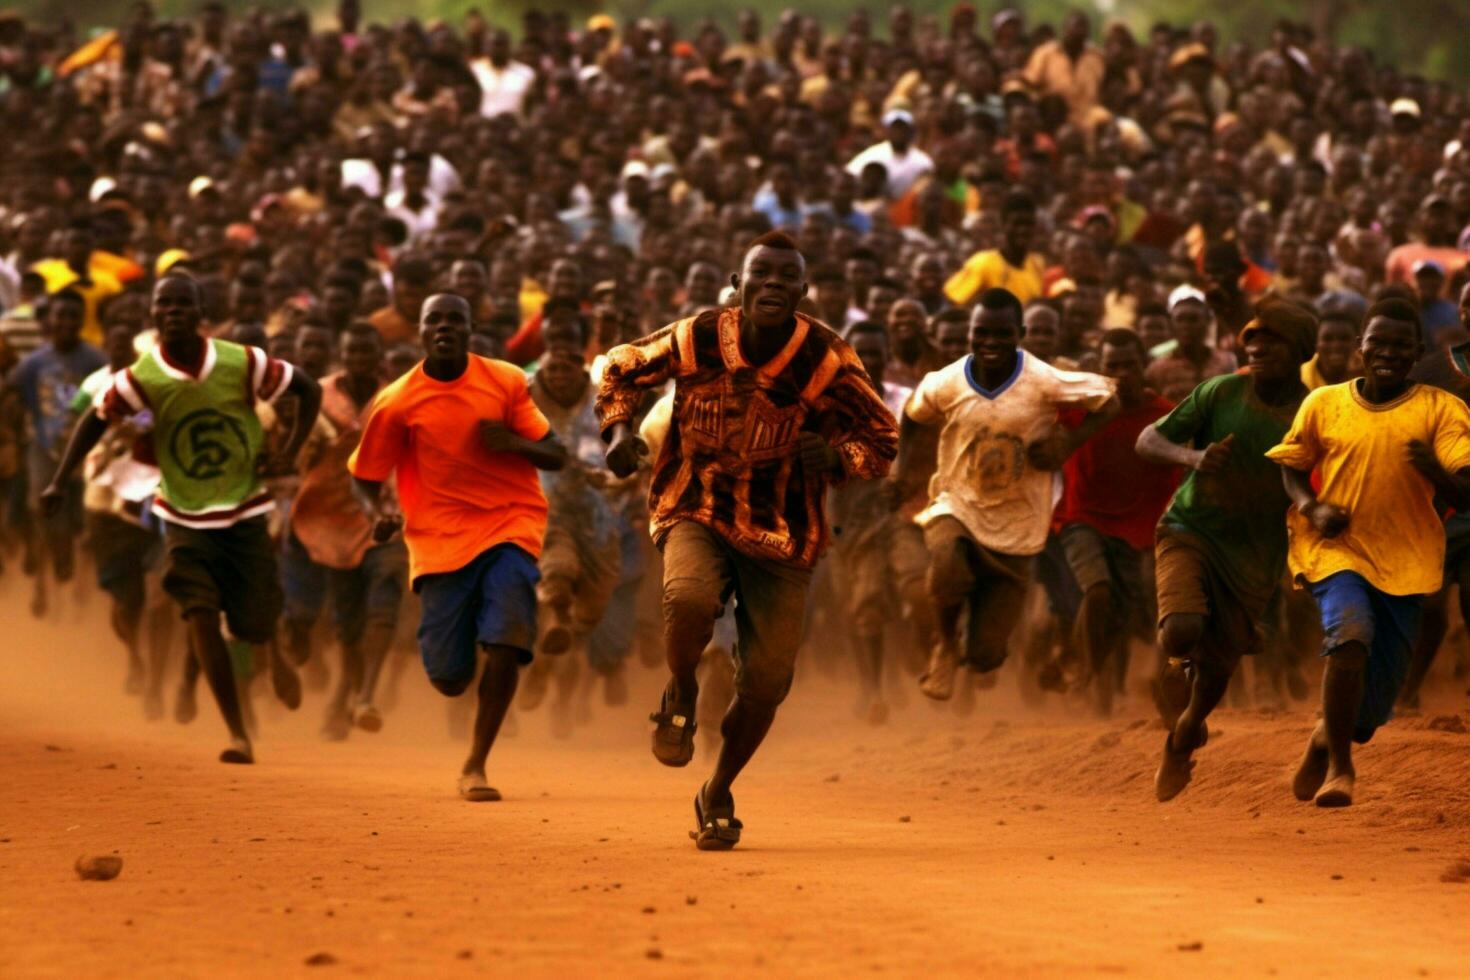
pixel 465 440
pixel 220 564
pixel 1370 545
pixel 1111 501
pixel 1221 545
pixel 770 407
pixel 365 578
pixel 991 496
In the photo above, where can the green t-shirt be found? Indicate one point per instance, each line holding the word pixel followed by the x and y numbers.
pixel 205 431
pixel 1239 513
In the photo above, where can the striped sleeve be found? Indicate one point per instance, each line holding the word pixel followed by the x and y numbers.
pixel 122 398
pixel 269 376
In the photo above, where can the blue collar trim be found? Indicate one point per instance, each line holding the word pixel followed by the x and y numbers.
pixel 997 392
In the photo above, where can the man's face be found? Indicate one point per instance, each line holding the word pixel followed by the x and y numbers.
pixel 78 246
pixel 119 343
pixel 408 297
pixel 415 177
pixel 248 303
pixel 906 320
pixel 566 281
pixel 1430 284
pixel 1336 341
pixel 994 336
pixel 1124 364
pixel 1075 31
pixel 871 349
pixel 362 354
pixel 771 283
pixel 1270 357
pixel 1019 228
pixel 1042 332
pixel 928 275
pixel 952 340
pixel 314 350
pixel 64 319
pixel 563 377
pixel 881 298
pixel 1154 330
pixel 177 309
pixel 1191 323
pixel 444 327
pixel 703 285
pixel 467 279
pixel 1390 348
pixel 1312 265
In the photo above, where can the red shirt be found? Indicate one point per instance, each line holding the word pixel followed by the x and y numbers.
pixel 1108 487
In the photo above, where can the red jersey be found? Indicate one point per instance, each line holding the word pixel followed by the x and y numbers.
pixel 1108 487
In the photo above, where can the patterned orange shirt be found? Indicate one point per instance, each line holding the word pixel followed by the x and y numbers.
pixel 731 459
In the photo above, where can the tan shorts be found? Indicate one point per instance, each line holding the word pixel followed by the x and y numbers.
pixel 1189 584
pixel 992 586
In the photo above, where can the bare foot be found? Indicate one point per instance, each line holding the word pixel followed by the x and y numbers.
pixel 285 682
pixel 337 727
pixel 239 753
pixel 367 717
pixel 1312 772
pixel 1171 693
pixel 474 788
pixel 1337 791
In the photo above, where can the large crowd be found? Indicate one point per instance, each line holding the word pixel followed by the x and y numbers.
pixel 251 254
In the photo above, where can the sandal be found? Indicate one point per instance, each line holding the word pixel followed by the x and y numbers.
pixel 673 739
pixel 718 829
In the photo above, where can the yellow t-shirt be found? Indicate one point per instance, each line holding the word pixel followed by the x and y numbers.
pixel 989 270
pixel 1394 537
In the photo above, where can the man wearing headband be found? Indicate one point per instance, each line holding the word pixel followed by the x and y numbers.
pixel 1221 545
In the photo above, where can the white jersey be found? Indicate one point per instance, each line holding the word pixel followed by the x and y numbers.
pixel 983 478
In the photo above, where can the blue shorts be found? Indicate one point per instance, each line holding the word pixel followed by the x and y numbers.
pixel 491 601
pixel 303 581
pixel 1353 610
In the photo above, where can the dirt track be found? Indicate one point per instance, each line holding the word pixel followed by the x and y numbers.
pixel 995 844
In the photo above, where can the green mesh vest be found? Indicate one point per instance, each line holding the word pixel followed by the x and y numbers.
pixel 206 436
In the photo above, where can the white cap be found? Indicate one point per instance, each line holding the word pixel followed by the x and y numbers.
pixel 634 168
pixel 898 115
pixel 1404 107
pixel 1185 293
pixel 101 187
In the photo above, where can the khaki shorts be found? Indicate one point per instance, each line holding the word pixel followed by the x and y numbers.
pixel 1188 584
pixel 991 585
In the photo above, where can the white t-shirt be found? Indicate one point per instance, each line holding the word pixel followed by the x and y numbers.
pixel 502 90
pixel 983 479
pixel 903 170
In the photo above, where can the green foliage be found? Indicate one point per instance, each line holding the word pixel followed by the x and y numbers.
pixel 1411 34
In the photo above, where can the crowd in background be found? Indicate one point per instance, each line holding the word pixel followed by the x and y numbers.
pixel 583 184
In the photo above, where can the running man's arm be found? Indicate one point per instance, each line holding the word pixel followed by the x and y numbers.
pixel 84 437
pixel 1052 452
pixel 857 437
pixel 632 369
pixel 386 521
pixel 546 453
pixel 1329 519
pixel 1298 454
pixel 309 397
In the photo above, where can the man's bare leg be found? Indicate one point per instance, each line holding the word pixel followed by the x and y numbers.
pixel 214 659
pixel 160 636
pixel 1342 696
pixel 186 705
pixel 1179 637
pixel 126 623
pixel 1095 627
pixel 938 679
pixel 377 638
pixel 338 722
pixel 744 729
pixel 497 689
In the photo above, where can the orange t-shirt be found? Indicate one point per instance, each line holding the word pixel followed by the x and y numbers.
pixel 459 499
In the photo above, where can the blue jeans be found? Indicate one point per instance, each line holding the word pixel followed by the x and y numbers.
pixel 1355 611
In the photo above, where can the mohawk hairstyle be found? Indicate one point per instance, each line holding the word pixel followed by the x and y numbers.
pixel 774 239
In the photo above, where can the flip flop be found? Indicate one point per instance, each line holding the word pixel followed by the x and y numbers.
pixel 717 828
pixel 673 738
pixel 476 790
